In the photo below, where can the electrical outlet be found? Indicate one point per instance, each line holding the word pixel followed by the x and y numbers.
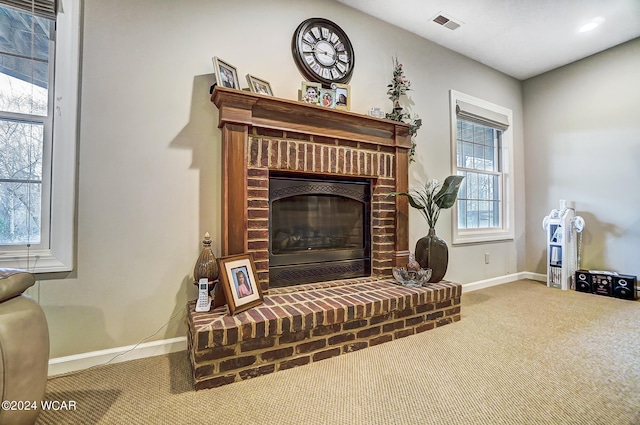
pixel 486 258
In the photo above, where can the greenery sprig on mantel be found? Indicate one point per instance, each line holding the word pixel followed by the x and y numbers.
pixel 399 86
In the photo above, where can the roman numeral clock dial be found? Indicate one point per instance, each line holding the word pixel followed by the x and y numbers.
pixel 322 52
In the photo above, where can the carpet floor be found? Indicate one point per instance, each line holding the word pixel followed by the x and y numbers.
pixel 522 354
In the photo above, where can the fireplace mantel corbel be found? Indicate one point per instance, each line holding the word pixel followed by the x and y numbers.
pixel 264 133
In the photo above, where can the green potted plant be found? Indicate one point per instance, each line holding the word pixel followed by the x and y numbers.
pixel 432 251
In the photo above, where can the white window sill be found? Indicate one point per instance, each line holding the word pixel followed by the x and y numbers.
pixel 36 261
pixel 480 236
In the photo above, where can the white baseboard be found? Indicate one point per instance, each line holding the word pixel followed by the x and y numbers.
pixel 82 361
pixel 115 355
pixel 473 286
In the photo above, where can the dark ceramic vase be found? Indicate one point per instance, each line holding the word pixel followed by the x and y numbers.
pixel 432 253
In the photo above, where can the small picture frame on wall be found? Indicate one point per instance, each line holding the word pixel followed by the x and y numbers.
pixel 259 86
pixel 310 92
pixel 239 282
pixel 226 74
pixel 328 98
pixel 343 96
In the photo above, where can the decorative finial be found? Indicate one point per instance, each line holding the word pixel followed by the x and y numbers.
pixel 206 265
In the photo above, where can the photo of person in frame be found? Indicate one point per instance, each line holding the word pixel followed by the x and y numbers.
pixel 227 77
pixel 328 98
pixel 311 94
pixel 342 97
pixel 241 282
pixel 260 88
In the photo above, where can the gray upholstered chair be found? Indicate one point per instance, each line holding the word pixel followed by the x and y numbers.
pixel 24 347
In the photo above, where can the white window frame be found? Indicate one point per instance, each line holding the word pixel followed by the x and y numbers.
pixel 507 229
pixel 60 254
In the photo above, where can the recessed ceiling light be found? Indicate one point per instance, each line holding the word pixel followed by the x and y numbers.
pixel 588 27
pixel 591 24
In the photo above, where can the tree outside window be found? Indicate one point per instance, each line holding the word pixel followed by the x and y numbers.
pixel 24 121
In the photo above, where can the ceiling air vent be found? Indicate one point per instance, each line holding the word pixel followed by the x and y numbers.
pixel 446 21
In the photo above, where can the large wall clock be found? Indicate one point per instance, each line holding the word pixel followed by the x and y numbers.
pixel 322 51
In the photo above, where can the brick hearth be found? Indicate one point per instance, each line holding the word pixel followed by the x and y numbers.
pixel 304 324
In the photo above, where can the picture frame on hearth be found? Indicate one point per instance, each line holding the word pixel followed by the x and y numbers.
pixel 226 74
pixel 239 282
pixel 259 86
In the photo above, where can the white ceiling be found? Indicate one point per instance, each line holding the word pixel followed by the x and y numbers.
pixel 522 38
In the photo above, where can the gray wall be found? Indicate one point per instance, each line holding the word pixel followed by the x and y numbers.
pixel 582 133
pixel 149 153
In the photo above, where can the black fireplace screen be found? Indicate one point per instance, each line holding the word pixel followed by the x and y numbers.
pixel 318 230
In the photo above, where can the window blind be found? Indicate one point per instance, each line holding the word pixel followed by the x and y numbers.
pixel 480 115
pixel 42 8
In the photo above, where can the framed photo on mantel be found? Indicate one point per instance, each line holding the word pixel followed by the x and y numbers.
pixel 310 92
pixel 343 96
pixel 328 98
pixel 256 85
pixel 226 74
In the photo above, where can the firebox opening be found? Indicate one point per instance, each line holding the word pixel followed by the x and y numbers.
pixel 319 229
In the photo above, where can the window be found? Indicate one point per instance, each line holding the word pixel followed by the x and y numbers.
pixel 480 142
pixel 39 52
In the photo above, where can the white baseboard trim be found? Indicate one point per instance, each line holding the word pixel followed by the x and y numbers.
pixel 474 286
pixel 82 361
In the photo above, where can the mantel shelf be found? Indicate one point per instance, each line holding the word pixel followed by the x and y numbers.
pixel 246 108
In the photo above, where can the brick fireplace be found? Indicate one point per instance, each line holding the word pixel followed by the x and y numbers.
pixel 302 324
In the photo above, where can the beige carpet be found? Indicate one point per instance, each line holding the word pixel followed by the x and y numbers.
pixel 522 354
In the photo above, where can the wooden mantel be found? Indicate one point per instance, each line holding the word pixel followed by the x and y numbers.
pixel 250 109
pixel 245 116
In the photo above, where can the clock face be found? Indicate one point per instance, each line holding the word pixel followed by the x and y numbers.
pixel 322 51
